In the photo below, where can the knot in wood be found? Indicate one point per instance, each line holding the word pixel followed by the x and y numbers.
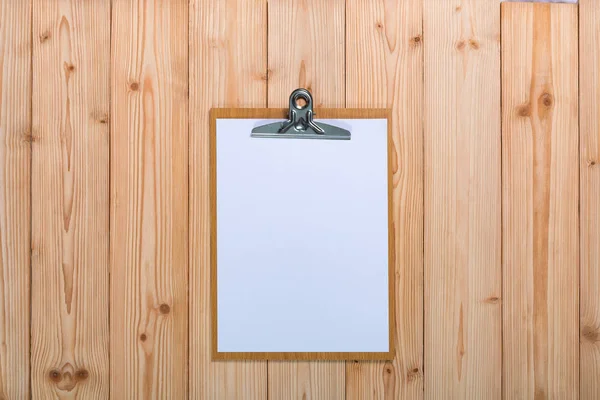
pixel 547 99
pixel 82 374
pixel 474 44
pixel 44 36
pixel 524 110
pixel 55 376
pixel 164 308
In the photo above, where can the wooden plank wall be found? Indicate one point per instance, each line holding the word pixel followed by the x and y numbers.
pixel 70 199
pixel 15 198
pixel 462 242
pixel 589 167
pixel 104 191
pixel 149 213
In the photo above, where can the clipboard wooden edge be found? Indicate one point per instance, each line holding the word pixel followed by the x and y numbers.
pixel 282 113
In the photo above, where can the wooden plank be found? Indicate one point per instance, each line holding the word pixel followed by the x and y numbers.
pixel 15 211
pixel 228 68
pixel 463 338
pixel 540 201
pixel 589 94
pixel 70 199
pixel 306 49
pixel 306 380
pixel 384 50
pixel 149 186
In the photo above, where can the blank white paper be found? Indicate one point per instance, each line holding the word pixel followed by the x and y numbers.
pixel 302 240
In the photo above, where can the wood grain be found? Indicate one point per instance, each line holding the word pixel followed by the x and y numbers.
pixel 589 95
pixel 540 201
pixel 15 197
pixel 307 380
pixel 384 66
pixel 228 67
pixel 58 72
pixel 70 199
pixel 306 49
pixel 149 208
pixel 463 337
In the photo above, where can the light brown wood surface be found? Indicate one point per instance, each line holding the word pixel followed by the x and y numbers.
pixel 15 198
pixel 306 49
pixel 589 167
pixel 540 201
pixel 228 68
pixel 149 208
pixel 462 241
pixel 104 169
pixel 384 67
pixel 70 199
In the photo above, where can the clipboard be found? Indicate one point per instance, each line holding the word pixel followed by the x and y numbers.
pixel 302 244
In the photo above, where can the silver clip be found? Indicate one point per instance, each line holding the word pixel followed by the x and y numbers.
pixel 300 123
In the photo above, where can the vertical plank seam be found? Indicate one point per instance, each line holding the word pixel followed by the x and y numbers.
pixel 189 204
pixel 579 197
pixel 501 215
pixel 423 94
pixel 345 104
pixel 578 206
pixel 110 116
pixel 267 75
pixel 30 193
pixel 423 194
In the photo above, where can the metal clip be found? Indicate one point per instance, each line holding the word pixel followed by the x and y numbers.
pixel 300 123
